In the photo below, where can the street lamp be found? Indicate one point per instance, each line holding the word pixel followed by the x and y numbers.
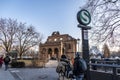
pixel 78 44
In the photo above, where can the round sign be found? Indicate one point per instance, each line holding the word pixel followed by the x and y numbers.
pixel 83 17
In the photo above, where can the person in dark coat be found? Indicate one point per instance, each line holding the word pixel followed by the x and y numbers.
pixel 6 62
pixel 77 68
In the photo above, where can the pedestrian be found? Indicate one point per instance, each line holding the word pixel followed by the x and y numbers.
pixel 1 61
pixel 6 62
pixel 79 67
pixel 64 66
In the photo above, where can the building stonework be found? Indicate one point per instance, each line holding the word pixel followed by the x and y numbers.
pixel 56 45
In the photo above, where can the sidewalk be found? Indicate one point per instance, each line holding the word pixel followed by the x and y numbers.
pixel 51 64
pixel 5 75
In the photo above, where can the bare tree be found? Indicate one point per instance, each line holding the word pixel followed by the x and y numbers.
pixel 18 35
pixel 7 33
pixel 105 20
pixel 27 38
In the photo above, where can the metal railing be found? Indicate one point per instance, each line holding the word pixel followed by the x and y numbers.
pixel 104 70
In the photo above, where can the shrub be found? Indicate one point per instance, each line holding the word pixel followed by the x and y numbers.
pixel 17 64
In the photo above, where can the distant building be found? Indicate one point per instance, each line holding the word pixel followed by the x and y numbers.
pixel 58 44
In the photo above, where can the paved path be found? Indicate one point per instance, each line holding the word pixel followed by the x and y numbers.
pixel 5 75
pixel 34 73
pixel 47 73
pixel 51 64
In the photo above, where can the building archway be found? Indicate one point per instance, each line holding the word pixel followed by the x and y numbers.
pixel 56 52
pixel 49 53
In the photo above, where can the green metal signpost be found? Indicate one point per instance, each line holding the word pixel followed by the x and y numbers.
pixel 84 18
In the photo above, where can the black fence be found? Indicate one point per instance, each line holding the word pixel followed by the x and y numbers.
pixel 105 70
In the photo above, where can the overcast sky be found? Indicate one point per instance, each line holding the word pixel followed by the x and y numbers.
pixel 46 15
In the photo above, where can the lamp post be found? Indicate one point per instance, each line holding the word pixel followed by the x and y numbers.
pixel 78 50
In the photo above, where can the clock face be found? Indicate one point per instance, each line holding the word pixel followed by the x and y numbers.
pixel 84 17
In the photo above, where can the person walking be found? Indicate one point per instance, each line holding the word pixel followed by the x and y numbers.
pixel 64 66
pixel 6 62
pixel 79 67
pixel 67 64
pixel 1 61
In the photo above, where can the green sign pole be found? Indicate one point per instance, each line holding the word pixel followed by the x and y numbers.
pixel 84 19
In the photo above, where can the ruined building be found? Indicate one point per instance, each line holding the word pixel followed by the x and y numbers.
pixel 58 44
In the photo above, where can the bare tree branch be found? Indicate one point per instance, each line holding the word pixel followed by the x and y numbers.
pixel 105 20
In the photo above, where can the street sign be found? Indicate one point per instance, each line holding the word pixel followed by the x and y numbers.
pixel 83 17
pixel 85 34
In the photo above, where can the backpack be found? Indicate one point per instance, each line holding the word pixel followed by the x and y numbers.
pixel 83 65
pixel 61 67
pixel 80 66
pixel 7 59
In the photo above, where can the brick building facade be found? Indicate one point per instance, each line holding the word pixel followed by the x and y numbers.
pixel 58 44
